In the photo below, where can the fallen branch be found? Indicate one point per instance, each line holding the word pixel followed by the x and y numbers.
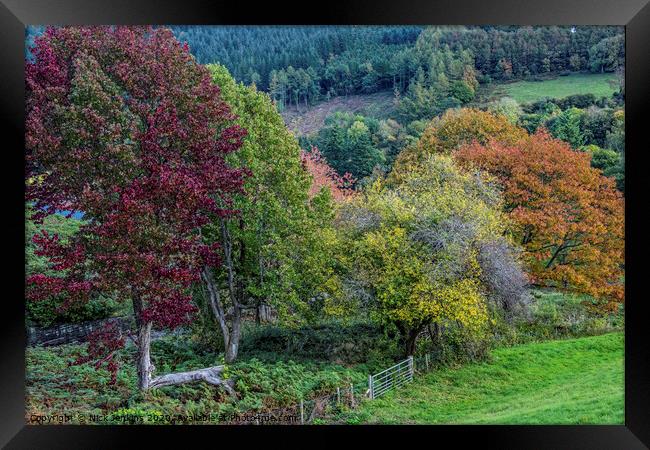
pixel 211 375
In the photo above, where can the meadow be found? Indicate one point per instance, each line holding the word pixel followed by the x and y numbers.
pixel 572 381
pixel 601 85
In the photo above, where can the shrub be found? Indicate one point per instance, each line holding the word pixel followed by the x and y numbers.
pixel 555 315
pixel 576 101
pixel 483 78
pixel 452 345
pixel 49 312
pixel 507 107
pixel 361 342
pixel 54 386
pixel 462 91
pixel 531 122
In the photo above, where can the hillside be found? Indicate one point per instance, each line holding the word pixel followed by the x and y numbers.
pixel 400 236
pixel 575 381
pixel 307 121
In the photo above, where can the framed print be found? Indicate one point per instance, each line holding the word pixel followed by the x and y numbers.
pixel 378 219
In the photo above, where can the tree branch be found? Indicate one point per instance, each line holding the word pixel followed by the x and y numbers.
pixel 211 375
pixel 215 302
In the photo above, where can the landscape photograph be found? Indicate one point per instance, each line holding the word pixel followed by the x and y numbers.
pixel 324 225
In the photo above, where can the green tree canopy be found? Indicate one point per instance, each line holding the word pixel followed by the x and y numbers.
pixel 275 252
pixel 417 248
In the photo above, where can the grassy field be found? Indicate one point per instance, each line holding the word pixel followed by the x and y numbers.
pixel 529 91
pixel 574 381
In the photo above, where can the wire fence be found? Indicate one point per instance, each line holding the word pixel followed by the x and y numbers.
pixel 327 406
pixel 308 411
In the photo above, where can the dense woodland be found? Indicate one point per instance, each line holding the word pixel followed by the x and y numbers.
pixel 307 63
pixel 162 184
pixel 429 70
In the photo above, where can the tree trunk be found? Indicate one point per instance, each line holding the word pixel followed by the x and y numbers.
pixel 235 290
pixel 143 357
pixel 232 348
pixel 210 375
pixel 410 341
pixel 231 334
pixel 409 337
pixel 216 305
pixel 437 333
pixel 258 321
pixel 146 369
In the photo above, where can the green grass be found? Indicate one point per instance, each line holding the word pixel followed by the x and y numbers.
pixel 573 381
pixel 530 91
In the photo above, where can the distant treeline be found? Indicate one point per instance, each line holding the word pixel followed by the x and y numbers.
pixel 301 64
pixel 506 52
pixel 251 53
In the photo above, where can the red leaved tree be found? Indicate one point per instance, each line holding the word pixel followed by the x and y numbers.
pixel 325 177
pixel 124 126
pixel 567 215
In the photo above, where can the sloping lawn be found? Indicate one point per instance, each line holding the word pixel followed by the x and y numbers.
pixel 574 381
pixel 530 91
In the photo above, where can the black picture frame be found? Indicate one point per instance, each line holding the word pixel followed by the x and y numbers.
pixel 633 14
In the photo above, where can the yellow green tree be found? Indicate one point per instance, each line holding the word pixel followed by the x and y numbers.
pixel 450 131
pixel 420 249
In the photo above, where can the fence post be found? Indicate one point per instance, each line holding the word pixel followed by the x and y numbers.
pixel 338 396
pixel 411 367
pixel 352 395
pixel 426 361
pixel 370 387
pixel 302 412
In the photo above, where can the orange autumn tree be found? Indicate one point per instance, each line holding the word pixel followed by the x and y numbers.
pixel 453 129
pixel 323 176
pixel 567 215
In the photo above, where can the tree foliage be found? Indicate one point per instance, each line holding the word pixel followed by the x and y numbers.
pixel 566 214
pixel 327 61
pixel 416 248
pixel 567 126
pixel 609 162
pixel 56 309
pixel 276 249
pixel 600 130
pixel 324 177
pixel 608 54
pixel 453 129
pixel 123 125
pixel 350 143
pixel 507 107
